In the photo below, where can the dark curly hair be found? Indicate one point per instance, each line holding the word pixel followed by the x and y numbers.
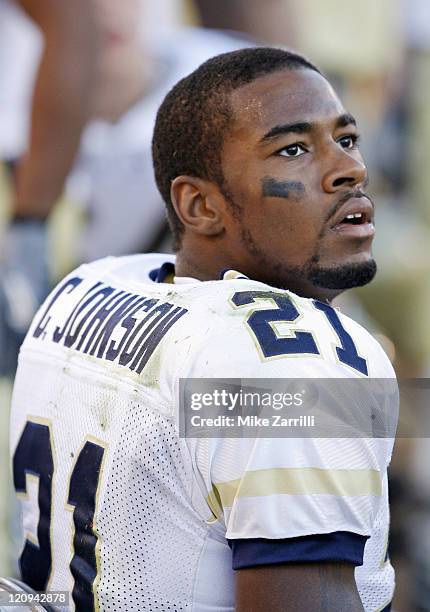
pixel 196 114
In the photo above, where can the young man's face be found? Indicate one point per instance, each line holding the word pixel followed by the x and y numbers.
pixel 292 165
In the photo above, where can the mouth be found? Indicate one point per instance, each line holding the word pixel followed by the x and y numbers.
pixel 355 218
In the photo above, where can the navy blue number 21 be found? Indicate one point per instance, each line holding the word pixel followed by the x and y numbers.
pixel 300 342
pixel 33 456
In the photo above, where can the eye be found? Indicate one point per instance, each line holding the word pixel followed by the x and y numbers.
pixel 350 141
pixel 293 150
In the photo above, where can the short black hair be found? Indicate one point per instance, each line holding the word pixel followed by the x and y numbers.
pixel 195 115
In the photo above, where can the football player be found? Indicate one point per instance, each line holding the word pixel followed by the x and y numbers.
pixel 259 166
pixel 60 108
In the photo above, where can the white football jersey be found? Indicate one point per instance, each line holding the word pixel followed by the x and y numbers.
pixel 123 512
pixel 20 48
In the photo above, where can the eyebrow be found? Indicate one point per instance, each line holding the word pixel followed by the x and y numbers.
pixel 345 119
pixel 304 127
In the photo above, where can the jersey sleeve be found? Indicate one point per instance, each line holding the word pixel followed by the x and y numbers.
pixel 295 499
pixel 292 499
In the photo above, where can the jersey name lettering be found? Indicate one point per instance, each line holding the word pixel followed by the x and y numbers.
pixel 109 323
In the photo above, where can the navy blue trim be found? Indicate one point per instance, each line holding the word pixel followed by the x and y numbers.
pixel 338 546
pixel 387 608
pixel 159 275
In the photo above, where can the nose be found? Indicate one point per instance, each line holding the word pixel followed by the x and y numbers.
pixel 344 170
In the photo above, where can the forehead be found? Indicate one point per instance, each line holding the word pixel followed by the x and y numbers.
pixel 286 96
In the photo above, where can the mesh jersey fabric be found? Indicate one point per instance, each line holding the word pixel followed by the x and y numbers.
pixel 156 542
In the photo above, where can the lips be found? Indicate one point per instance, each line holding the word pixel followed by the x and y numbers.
pixel 355 218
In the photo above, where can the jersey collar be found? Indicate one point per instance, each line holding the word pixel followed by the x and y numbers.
pixel 166 274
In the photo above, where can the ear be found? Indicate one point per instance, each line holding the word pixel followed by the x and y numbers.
pixel 198 204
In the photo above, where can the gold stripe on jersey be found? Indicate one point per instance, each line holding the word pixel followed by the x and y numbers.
pixel 214 503
pixel 295 481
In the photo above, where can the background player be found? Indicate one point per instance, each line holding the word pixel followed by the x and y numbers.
pixel 61 105
pixel 113 179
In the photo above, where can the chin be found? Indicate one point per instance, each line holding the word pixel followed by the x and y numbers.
pixel 344 276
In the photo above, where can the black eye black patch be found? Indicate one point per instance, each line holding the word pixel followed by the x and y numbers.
pixel 281 189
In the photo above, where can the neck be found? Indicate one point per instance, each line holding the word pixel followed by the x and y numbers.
pixel 208 268
pixel 196 267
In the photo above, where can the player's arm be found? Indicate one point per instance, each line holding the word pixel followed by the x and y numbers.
pixel 298 511
pixel 61 101
pixel 314 587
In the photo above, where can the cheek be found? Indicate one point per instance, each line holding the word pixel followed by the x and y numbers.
pixel 285 190
pixel 282 223
pixel 278 213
